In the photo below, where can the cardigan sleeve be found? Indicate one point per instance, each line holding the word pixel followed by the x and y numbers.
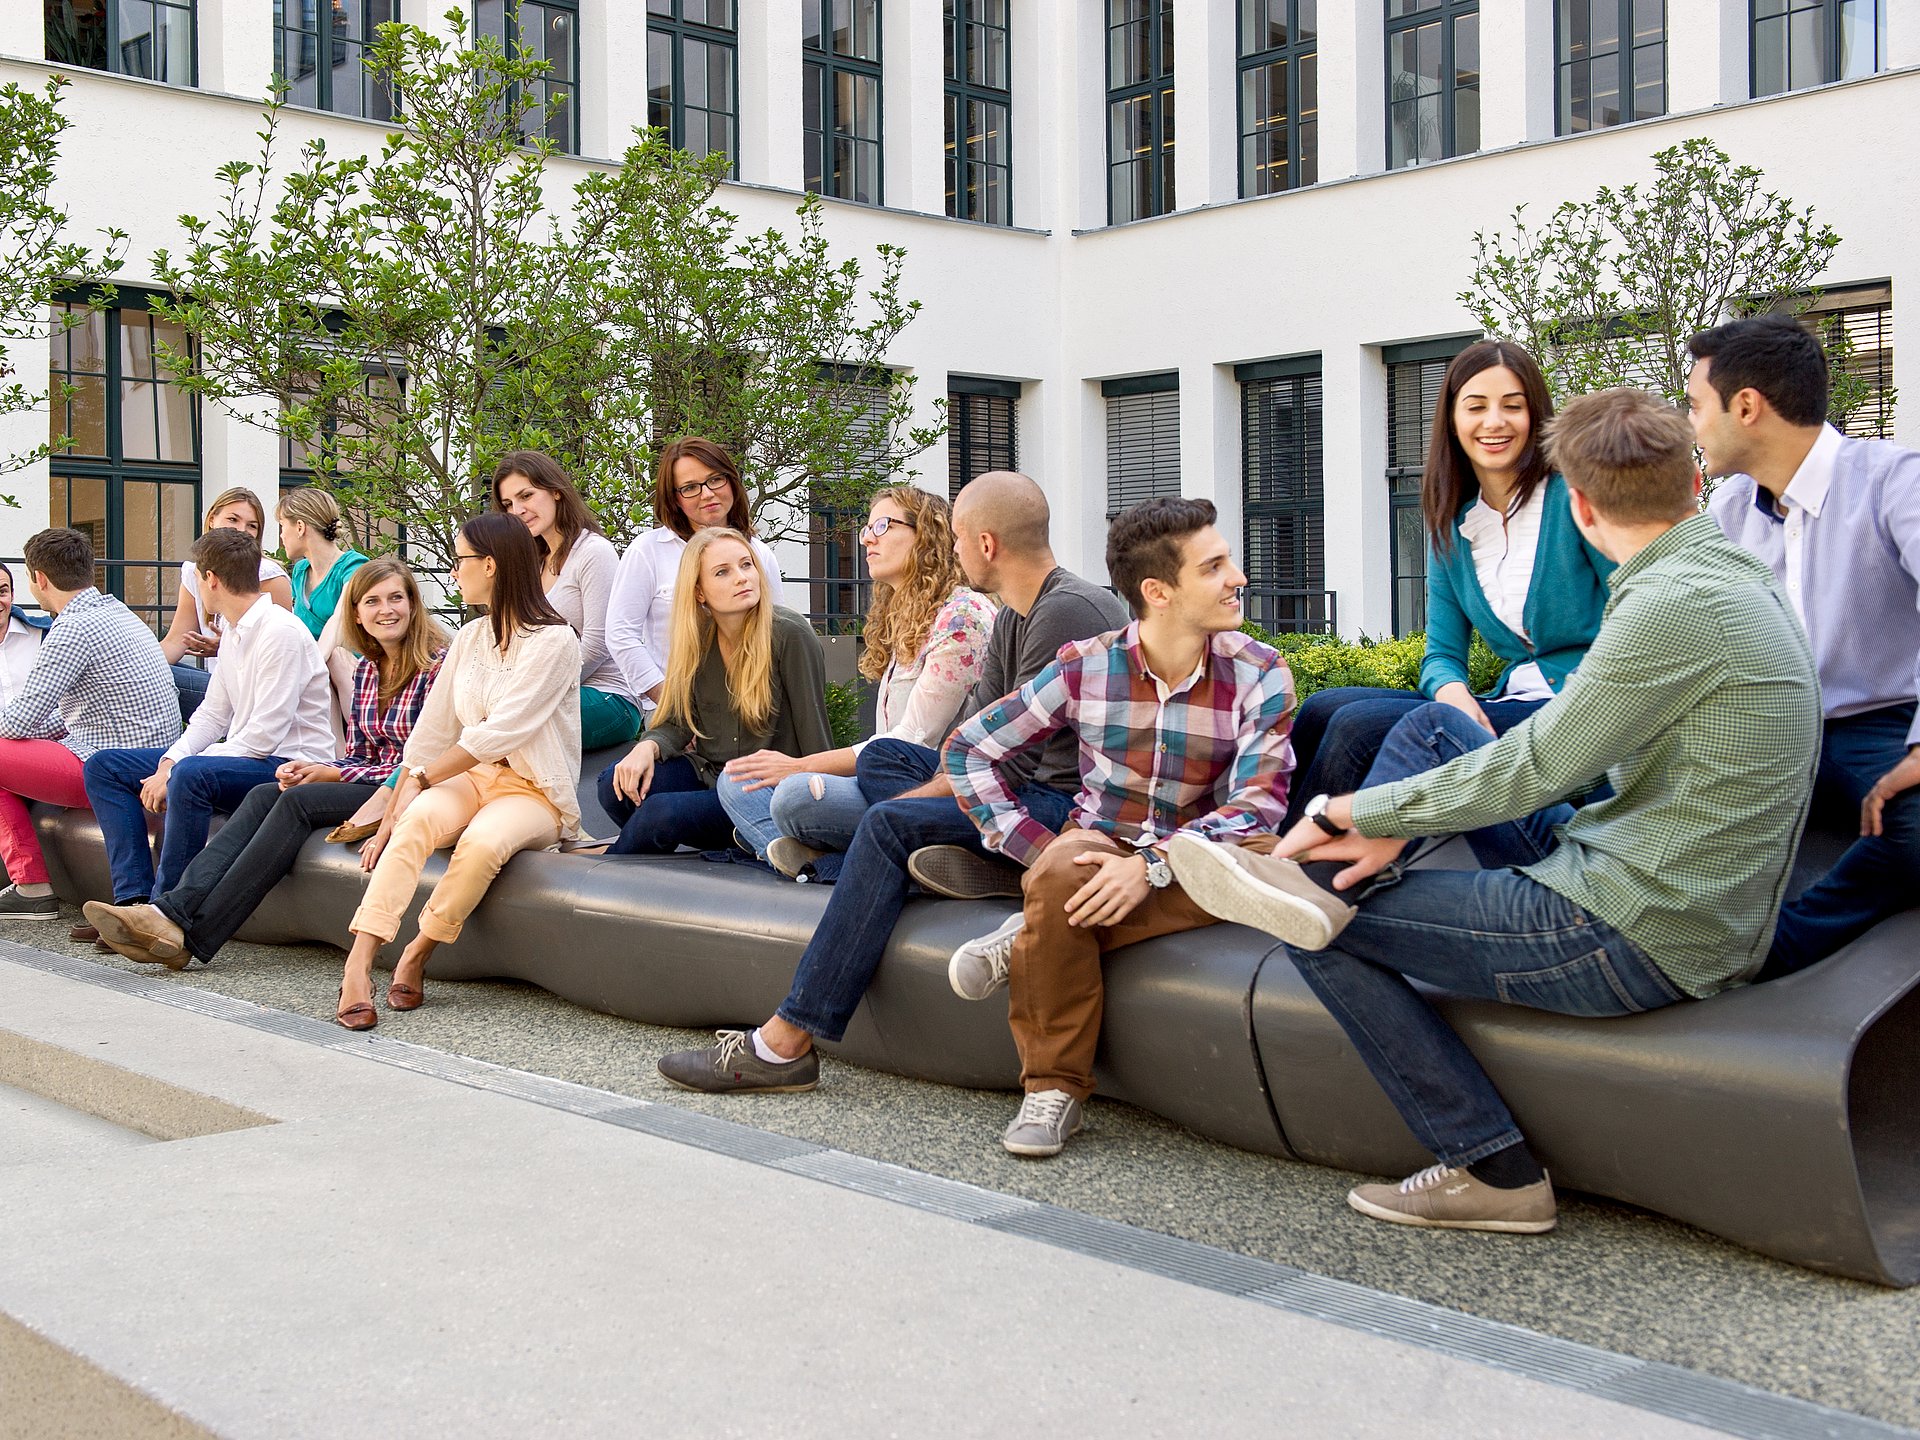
pixel 437 730
pixel 1448 631
pixel 629 598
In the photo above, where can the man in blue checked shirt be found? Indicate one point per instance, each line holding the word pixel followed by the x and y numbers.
pixel 1182 724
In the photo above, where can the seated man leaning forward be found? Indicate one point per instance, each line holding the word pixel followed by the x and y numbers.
pixel 1001 536
pixel 1697 703
pixel 1182 724
pixel 269 702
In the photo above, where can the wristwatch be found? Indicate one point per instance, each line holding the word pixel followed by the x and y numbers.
pixel 1159 873
pixel 1316 811
pixel 419 774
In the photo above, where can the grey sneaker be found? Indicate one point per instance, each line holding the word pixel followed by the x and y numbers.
pixel 979 967
pixel 961 874
pixel 1443 1198
pixel 733 1065
pixel 790 857
pixel 15 906
pixel 1231 882
pixel 1047 1120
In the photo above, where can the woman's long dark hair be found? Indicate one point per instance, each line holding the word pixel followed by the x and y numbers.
pixel 666 503
pixel 518 602
pixel 1448 481
pixel 571 517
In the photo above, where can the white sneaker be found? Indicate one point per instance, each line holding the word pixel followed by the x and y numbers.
pixel 1231 882
pixel 1047 1120
pixel 979 967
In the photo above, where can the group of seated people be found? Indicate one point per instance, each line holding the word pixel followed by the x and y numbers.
pixel 1679 691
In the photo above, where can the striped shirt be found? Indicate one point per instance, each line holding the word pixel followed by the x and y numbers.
pixel 376 736
pixel 1699 705
pixel 1209 754
pixel 99 683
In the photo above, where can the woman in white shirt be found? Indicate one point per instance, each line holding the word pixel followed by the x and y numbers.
pixel 925 644
pixel 577 573
pixel 195 631
pixel 697 485
pixel 19 642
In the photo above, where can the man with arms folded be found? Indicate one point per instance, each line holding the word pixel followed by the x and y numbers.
pixel 269 702
pixel 1181 722
pixel 1838 523
pixel 1000 525
pixel 1697 702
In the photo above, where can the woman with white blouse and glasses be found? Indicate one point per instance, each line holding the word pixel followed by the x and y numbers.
pixel 925 644
pixel 697 485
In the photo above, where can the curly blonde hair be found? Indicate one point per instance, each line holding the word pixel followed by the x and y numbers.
pixel 901 615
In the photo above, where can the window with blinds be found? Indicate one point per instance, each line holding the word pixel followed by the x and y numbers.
pixel 1855 325
pixel 1415 375
pixel 1143 439
pixel 1282 495
pixel 837 585
pixel 983 430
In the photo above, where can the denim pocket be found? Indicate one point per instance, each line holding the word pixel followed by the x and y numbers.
pixel 1585 985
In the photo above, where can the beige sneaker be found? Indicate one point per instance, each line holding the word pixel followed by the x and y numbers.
pixel 1443 1198
pixel 1231 882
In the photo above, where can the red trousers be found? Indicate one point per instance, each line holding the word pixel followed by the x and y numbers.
pixel 33 770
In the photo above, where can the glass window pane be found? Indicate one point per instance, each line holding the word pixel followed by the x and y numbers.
pixel 84 416
pixel 1806 49
pixel 659 80
pixel 1859 27
pixel 136 346
pixel 695 61
pixel 176 425
pixel 1769 56
pixel 139 429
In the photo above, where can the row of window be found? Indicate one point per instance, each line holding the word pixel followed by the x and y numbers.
pixel 1610 68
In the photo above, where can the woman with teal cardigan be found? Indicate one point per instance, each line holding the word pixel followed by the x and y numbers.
pixel 1503 558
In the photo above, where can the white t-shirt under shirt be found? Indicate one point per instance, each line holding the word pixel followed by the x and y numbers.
pixel 1503 555
pixel 19 648
pixel 209 625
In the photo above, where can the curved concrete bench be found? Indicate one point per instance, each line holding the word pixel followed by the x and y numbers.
pixel 1780 1116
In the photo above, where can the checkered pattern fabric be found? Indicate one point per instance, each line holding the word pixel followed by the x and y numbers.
pixel 1698 703
pixel 99 683
pixel 376 735
pixel 1213 757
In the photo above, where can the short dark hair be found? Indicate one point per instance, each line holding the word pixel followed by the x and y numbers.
pixel 1774 354
pixel 231 555
pixel 1628 452
pixel 64 556
pixel 1144 540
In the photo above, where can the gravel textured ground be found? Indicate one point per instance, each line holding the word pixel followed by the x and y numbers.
pixel 1610 1276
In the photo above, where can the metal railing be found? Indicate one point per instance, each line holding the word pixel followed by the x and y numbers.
pixel 1292 612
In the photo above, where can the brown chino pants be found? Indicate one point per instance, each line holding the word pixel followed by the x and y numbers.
pixel 1056 989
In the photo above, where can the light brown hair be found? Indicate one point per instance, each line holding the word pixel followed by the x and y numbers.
pixel 901 615
pixel 237 495
pixel 314 508
pixel 1628 452
pixel 425 637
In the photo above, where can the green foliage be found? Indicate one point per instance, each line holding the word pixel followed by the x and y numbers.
pixel 36 258
pixel 1610 289
pixel 418 313
pixel 1324 662
pixel 843 713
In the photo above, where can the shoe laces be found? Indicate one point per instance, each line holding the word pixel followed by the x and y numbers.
pixel 732 1042
pixel 1045 1107
pixel 999 952
pixel 1428 1178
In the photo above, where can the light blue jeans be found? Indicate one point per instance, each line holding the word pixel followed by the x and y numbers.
pixel 825 821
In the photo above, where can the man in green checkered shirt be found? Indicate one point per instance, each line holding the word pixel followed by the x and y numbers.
pixel 1697 703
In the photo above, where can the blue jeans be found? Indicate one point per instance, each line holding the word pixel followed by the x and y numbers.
pixel 191 681
pixel 852 936
pixel 826 822
pixel 1491 933
pixel 1338 732
pixel 200 787
pixel 679 810
pixel 1878 875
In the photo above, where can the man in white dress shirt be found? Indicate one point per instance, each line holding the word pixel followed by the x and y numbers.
pixel 268 703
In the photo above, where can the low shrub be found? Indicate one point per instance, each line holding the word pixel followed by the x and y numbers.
pixel 1323 662
pixel 843 713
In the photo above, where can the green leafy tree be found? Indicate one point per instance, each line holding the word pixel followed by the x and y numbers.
pixel 37 258
pixel 1609 290
pixel 412 316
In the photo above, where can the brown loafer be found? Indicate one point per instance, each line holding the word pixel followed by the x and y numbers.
pixel 404 997
pixel 83 935
pixel 360 1016
pixel 348 833
pixel 140 932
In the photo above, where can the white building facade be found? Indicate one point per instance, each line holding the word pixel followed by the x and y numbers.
pixel 1210 247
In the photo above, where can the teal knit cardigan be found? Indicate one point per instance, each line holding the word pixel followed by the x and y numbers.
pixel 1565 599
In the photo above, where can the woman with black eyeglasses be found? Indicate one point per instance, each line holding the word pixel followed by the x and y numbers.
pixel 698 487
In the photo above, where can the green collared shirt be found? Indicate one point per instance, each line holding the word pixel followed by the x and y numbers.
pixel 1698 702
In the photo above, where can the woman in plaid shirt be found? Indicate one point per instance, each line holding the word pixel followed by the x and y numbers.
pixel 401 646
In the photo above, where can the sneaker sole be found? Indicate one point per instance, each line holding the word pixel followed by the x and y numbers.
pixel 740 1089
pixel 116 934
pixel 1225 891
pixel 30 915
pixel 1037 1152
pixel 1498 1227
pixel 963 879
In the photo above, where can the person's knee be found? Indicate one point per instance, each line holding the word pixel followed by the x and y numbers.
pixel 193 776
pixel 793 798
pixel 1058 873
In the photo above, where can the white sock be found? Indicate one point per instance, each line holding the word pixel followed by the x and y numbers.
pixel 34 892
pixel 766 1051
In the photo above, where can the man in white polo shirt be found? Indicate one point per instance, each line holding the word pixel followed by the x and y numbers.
pixel 268 703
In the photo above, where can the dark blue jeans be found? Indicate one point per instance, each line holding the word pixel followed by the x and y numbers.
pixel 1492 933
pixel 191 681
pixel 1878 875
pixel 1337 734
pixel 852 936
pixel 200 787
pixel 679 810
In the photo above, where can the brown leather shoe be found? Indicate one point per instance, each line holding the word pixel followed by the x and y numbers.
pixel 83 935
pixel 361 1016
pixel 404 997
pixel 140 932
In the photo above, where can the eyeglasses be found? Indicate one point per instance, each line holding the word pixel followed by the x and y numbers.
pixel 879 526
pixel 713 484
pixel 459 559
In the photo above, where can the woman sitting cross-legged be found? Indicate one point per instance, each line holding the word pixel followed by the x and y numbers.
pixel 743 676
pixel 400 646
pixel 491 766
pixel 926 641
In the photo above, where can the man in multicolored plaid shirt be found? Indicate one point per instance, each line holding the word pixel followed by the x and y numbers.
pixel 1183 724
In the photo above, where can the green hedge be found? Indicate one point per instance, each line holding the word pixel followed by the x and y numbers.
pixel 1322 662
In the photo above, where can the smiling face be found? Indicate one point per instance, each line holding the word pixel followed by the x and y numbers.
pixel 704 494
pixel 729 579
pixel 889 555
pixel 528 503
pixel 1207 595
pixel 236 516
pixel 1492 423
pixel 385 611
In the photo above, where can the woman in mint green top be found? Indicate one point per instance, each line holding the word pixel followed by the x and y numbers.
pixel 309 532
pixel 1503 558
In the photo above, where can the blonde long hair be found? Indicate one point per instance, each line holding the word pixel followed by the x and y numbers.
pixel 235 495
pixel 693 633
pixel 425 637
pixel 901 615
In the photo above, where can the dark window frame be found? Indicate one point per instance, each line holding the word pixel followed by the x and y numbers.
pixel 377 99
pixel 1831 30
pixel 821 65
pixel 511 30
pixel 678 30
pixel 967 174
pixel 1157 89
pixel 1283 495
pixel 1627 53
pixel 116 47
pixel 1406 463
pixel 983 429
pixel 1303 159
pixel 1446 14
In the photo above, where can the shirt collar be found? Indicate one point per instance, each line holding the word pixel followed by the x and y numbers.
pixel 1689 531
pixel 1137 659
pixel 254 613
pixel 1808 489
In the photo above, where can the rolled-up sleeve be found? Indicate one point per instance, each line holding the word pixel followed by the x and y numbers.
pixel 979 749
